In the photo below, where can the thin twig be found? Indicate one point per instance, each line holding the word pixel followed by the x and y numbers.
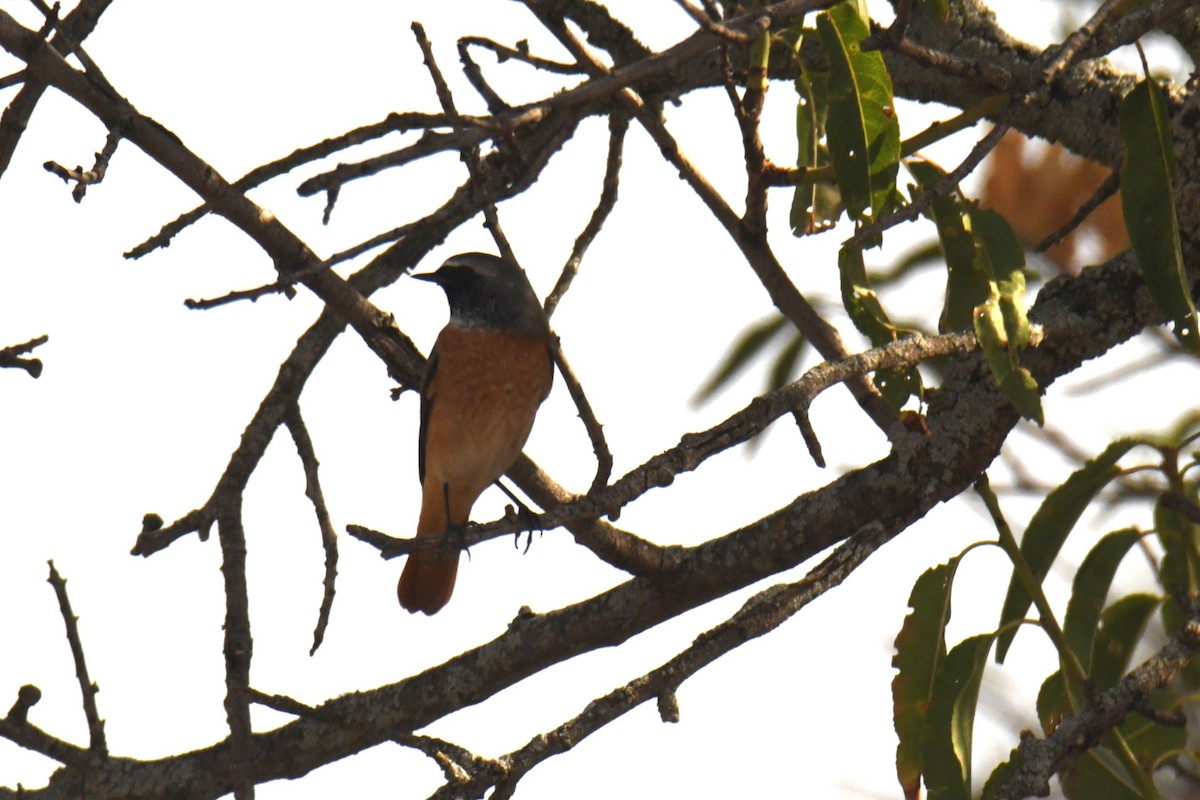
pixel 469 154
pixel 713 26
pixel 1104 191
pixel 1066 53
pixel 85 178
pixel 281 703
pixel 87 688
pixel 495 103
pixel 519 53
pixel 595 431
pixel 285 287
pixel 312 490
pixel 393 123
pixel 618 125
pixel 11 356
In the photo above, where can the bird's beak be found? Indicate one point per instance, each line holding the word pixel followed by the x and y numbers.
pixel 432 277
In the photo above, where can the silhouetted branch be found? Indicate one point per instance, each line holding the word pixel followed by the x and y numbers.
pixel 87 688
pixel 11 356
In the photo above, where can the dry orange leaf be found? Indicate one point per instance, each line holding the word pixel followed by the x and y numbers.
pixel 1039 192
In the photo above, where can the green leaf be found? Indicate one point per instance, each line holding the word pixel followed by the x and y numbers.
pixel 784 367
pixel 815 204
pixel 920 651
pixel 862 129
pixel 1090 590
pixel 1179 572
pixel 1121 627
pixel 939 10
pixel 1053 702
pixel 1148 203
pixel 1049 527
pixel 868 316
pixel 946 746
pixel 860 300
pixel 1099 773
pixel 751 343
pixel 967 283
pixel 1000 775
pixel 1000 321
pixel 1016 382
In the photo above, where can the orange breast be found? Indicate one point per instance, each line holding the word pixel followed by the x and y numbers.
pixel 482 399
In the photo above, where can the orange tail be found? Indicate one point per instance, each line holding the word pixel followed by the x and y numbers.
pixel 428 578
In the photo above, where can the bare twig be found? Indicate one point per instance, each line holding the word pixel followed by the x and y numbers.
pixel 618 125
pixel 312 490
pixel 595 431
pixel 495 103
pixel 1104 191
pixel 281 703
pixel 87 688
pixel 711 25
pixel 393 123
pixel 85 178
pixel 285 287
pixel 519 53
pixel 1061 57
pixel 475 131
pixel 11 356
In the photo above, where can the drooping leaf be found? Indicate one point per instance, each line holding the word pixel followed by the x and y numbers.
pixel 1179 571
pixel 1090 589
pixel 1053 702
pixel 860 300
pixel 1000 322
pixel 967 282
pixel 1148 202
pixel 946 745
pixel 751 343
pixel 869 317
pixel 1018 385
pixel 816 204
pixel 920 651
pixel 1049 527
pixel 862 129
pixel 783 369
pixel 1098 773
pixel 1121 626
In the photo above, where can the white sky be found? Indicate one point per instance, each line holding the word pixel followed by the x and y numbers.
pixel 142 401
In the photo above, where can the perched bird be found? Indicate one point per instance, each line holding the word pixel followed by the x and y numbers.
pixel 490 369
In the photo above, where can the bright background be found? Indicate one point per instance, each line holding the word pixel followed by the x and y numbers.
pixel 142 402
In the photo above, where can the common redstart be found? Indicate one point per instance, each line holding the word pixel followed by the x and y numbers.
pixel 490 369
